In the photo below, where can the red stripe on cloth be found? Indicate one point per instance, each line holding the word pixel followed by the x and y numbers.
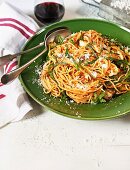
pixel 11 66
pixel 17 28
pixel 6 66
pixel 2 96
pixel 1 84
pixel 18 22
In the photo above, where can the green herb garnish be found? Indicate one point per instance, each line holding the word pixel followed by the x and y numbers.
pixel 51 75
pixel 121 63
pixel 69 56
pixel 81 37
pixel 50 70
pixel 99 98
pixel 59 39
pixel 91 62
pixel 71 41
pixel 67 52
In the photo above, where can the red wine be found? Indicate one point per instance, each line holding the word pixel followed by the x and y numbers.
pixel 49 12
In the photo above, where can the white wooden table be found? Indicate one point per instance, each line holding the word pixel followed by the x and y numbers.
pixel 48 141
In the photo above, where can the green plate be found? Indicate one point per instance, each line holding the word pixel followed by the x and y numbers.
pixel 30 77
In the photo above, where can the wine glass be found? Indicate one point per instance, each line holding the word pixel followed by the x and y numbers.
pixel 49 11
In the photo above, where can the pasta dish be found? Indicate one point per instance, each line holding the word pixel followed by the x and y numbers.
pixel 87 67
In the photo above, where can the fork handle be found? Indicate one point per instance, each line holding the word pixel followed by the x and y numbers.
pixel 8 77
pixel 7 58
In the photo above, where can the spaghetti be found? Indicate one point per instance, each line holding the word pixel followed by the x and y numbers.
pixel 88 67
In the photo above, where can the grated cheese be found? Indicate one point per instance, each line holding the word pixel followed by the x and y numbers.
pixel 71 60
pixel 77 60
pixel 82 43
pixel 94 74
pixel 87 56
pixel 121 4
pixel 104 66
pixel 59 55
pixel 82 87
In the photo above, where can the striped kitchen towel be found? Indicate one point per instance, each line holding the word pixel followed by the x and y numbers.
pixel 15 29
